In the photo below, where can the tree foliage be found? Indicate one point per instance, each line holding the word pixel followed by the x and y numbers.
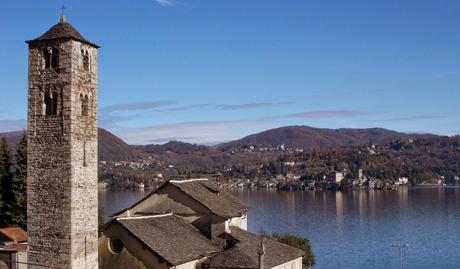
pixel 6 182
pixel 297 242
pixel 13 201
pixel 19 203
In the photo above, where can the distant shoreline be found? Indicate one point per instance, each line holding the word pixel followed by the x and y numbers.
pixel 419 186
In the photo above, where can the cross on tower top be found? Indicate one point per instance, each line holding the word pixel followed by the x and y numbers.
pixel 62 14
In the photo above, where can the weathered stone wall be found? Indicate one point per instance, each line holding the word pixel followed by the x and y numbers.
pixel 84 209
pixel 62 159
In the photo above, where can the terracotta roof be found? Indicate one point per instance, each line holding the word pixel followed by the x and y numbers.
pixel 170 237
pixel 244 253
pixel 14 234
pixel 62 30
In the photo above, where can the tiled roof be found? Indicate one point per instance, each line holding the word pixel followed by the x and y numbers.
pixel 244 253
pixel 14 234
pixel 170 237
pixel 217 201
pixel 62 30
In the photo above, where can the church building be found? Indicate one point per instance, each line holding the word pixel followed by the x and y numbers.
pixel 189 224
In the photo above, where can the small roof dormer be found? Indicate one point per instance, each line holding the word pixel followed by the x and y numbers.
pixel 63 31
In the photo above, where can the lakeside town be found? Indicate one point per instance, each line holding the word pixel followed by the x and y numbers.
pixel 393 162
pixel 332 181
pixel 285 174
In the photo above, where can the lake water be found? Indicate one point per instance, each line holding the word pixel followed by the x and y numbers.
pixel 354 229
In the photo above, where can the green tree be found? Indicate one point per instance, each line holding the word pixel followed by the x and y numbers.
pixel 297 242
pixel 6 181
pixel 19 202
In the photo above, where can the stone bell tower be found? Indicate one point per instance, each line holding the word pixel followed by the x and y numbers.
pixel 62 201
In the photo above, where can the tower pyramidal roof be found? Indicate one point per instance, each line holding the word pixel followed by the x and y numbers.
pixel 62 30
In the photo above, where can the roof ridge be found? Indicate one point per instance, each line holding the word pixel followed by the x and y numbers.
pixel 188 180
pixel 145 217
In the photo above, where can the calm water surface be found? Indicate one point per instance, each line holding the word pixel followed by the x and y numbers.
pixel 354 229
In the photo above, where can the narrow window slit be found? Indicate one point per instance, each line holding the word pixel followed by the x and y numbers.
pixel 51 104
pixel 84 105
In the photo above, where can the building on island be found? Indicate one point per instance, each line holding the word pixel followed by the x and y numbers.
pixel 335 177
pixel 189 224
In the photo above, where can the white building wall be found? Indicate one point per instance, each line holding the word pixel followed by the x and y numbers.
pixel 294 264
pixel 187 265
pixel 22 258
pixel 240 222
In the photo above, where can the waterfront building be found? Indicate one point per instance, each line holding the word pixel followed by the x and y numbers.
pixel 373 184
pixel 403 180
pixel 335 177
pixel 62 150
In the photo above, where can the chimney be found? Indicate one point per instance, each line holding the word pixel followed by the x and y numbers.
pixel 261 252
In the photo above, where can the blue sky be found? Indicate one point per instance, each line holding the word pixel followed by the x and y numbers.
pixel 207 71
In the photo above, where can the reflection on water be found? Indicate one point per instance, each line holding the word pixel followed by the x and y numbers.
pixel 354 229
pixel 115 200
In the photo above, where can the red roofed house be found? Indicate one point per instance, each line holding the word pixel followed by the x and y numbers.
pixel 13 248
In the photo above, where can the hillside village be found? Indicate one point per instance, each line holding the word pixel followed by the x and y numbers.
pixel 390 162
pixel 403 161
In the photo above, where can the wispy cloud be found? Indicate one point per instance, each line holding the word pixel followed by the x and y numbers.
pixel 166 106
pixel 188 107
pixel 346 93
pixel 250 105
pixel 173 138
pixel 166 3
pixel 109 121
pixel 412 118
pixel 325 114
pixel 111 116
pixel 123 107
pixel 198 132
pixel 12 125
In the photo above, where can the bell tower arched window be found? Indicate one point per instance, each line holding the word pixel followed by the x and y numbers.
pixel 84 105
pixel 50 103
pixel 47 58
pixel 51 58
pixel 55 58
pixel 85 59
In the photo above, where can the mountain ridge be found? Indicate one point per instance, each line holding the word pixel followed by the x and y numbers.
pixel 113 148
pixel 306 137
pixel 110 147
